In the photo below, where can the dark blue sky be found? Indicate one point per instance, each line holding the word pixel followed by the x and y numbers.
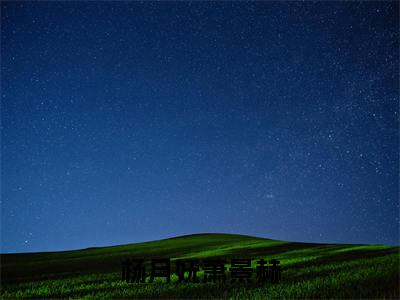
pixel 125 122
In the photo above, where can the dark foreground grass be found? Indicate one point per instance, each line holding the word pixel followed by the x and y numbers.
pixel 308 270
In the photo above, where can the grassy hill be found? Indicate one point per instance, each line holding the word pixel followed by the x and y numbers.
pixel 308 270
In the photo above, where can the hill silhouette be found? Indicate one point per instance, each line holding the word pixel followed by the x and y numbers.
pixel 300 262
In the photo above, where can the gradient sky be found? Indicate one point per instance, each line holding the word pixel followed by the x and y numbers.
pixel 125 122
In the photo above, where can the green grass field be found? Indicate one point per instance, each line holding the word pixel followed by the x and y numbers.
pixel 308 270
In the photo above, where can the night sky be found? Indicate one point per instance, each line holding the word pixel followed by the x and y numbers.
pixel 126 122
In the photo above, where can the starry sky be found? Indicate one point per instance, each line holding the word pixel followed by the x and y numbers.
pixel 126 122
